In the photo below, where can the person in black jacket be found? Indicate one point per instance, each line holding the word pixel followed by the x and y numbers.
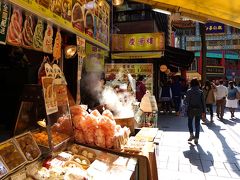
pixel 196 109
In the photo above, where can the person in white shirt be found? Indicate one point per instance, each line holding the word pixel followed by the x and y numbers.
pixel 221 95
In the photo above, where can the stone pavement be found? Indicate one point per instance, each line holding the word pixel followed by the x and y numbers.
pixel 216 157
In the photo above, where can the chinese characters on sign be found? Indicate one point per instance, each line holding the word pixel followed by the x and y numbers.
pixel 214 27
pixel 215 70
pixel 4 16
pixel 138 42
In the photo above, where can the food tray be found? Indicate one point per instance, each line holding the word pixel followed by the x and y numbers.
pixel 41 138
pixel 12 156
pixel 3 169
pixel 82 160
pixel 28 146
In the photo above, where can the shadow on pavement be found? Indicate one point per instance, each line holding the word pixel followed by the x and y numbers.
pixel 194 155
pixel 230 154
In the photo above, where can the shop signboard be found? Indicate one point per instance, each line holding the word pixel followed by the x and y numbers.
pixel 215 70
pixel 214 27
pixel 138 42
pixel 4 18
pixel 135 69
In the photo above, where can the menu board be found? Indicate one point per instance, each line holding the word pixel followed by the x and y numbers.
pixel 88 18
pixel 135 69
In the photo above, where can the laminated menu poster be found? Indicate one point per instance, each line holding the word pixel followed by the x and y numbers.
pixel 78 16
pixel 4 18
pixel 67 9
pixel 57 46
pixel 28 31
pixel 38 36
pixel 48 39
pixel 14 34
pixel 49 95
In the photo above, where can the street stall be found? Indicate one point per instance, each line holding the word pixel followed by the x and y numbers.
pixel 53 137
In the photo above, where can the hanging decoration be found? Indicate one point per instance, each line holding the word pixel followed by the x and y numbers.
pixel 57 46
pixel 14 35
pixel 27 33
pixel 38 36
pixel 48 40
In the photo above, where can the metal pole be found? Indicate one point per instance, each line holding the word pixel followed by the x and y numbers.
pixel 204 52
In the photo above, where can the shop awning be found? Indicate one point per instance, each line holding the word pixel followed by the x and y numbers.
pixel 227 12
pixel 137 55
pixel 178 57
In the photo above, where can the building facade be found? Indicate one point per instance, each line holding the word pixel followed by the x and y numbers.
pixel 223 46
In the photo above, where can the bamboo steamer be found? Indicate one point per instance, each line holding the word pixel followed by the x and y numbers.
pixel 128 122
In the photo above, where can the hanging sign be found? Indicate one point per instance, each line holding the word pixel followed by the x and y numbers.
pixel 214 27
pixel 49 95
pixel 4 17
pixel 138 42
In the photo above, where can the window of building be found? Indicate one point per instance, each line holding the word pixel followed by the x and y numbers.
pixel 228 42
pixel 235 41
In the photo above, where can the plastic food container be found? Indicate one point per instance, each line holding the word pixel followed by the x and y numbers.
pixel 11 155
pixel 28 146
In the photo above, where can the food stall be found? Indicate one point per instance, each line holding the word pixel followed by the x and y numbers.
pixel 52 139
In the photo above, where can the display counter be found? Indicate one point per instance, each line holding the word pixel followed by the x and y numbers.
pixel 76 162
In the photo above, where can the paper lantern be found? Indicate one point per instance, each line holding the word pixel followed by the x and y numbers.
pixel 163 68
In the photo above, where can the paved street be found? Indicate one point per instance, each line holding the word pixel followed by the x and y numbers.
pixel 216 157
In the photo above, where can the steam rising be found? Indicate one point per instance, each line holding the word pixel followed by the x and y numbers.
pixel 119 103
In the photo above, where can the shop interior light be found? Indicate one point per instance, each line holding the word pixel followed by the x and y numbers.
pixel 162 11
pixel 90 5
pixel 117 2
pixel 70 51
pixel 42 123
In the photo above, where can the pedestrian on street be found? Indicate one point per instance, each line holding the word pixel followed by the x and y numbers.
pixel 221 95
pixel 208 91
pixel 232 101
pixel 176 94
pixel 165 95
pixel 196 109
pixel 140 88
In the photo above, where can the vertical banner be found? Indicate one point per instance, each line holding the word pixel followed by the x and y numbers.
pixel 4 18
pixel 81 46
pixel 49 95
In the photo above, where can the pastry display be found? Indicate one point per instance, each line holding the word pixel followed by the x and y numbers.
pixel 28 147
pixel 38 36
pixel 85 163
pixel 97 129
pixel 14 35
pixel 78 17
pixel 57 46
pixel 48 40
pixel 11 155
pixel 72 164
pixel 42 138
pixel 27 33
pixel 3 169
pixel 91 155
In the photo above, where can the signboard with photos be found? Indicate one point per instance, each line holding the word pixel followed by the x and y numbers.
pixel 135 69
pixel 89 19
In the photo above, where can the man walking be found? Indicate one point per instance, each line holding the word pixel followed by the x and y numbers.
pixel 221 95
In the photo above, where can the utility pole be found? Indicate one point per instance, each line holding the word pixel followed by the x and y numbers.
pixel 203 51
